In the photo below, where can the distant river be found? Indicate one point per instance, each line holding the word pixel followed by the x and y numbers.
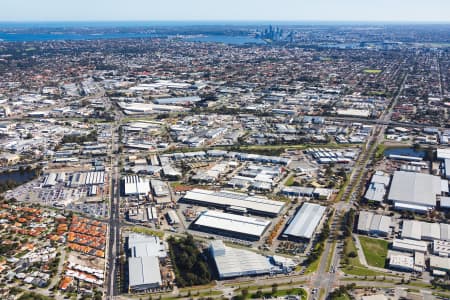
pixel 17 176
pixel 68 36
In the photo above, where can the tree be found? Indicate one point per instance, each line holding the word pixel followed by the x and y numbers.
pixel 244 293
pixel 274 288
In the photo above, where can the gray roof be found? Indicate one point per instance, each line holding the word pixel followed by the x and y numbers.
pixel 305 221
pixel 233 223
pixel 232 262
pixel 144 245
pixel 415 188
pixel 226 198
pixel 144 271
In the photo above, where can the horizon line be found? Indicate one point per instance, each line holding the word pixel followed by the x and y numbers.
pixel 285 22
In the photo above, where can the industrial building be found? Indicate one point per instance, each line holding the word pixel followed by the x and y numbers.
pixel 407 245
pixel 378 187
pixel 414 191
pixel 235 226
pixel 438 263
pixel 401 262
pixel 229 200
pixel 441 248
pixel 232 262
pixel 304 222
pixel 159 188
pixel 418 230
pixel 87 178
pixel 135 186
pixel 144 273
pixel 145 253
pixel 373 224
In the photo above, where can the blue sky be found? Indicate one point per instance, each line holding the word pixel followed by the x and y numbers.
pixel 219 10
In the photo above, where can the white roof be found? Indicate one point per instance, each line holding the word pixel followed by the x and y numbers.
pixel 409 245
pixel 305 221
pixel 229 222
pixel 232 262
pixel 414 188
pixel 438 262
pixel 226 198
pixel 401 261
pixel 443 153
pixel 144 271
pixel 419 230
pixel 145 245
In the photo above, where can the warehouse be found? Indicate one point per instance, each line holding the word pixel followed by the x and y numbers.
pixel 441 248
pixel 406 245
pixel 414 191
pixel 233 262
pixel 372 224
pixel 401 262
pixel 159 188
pixel 305 222
pixel 418 230
pixel 134 185
pixel 145 253
pixel 440 263
pixel 144 273
pixel 230 225
pixel 224 199
pixel 50 180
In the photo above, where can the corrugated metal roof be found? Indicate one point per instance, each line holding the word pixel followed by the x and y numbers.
pixel 144 271
pixel 305 221
pixel 225 199
pixel 414 188
pixel 233 223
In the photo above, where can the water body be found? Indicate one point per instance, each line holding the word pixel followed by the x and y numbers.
pixel 17 176
pixel 405 152
pixel 225 39
pixel 64 36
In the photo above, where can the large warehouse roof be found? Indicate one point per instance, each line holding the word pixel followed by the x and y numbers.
pixel 227 199
pixel 232 262
pixel 144 271
pixel 135 185
pixel 305 221
pixel 374 224
pixel 233 223
pixel 415 189
pixel 418 230
pixel 144 245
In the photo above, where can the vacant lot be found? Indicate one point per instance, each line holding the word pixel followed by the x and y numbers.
pixel 375 251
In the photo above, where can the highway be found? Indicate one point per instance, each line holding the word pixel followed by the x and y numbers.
pixel 324 279
pixel 113 263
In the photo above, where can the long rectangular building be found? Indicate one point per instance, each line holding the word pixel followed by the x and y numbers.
pixel 305 221
pixel 373 224
pixel 225 199
pixel 230 225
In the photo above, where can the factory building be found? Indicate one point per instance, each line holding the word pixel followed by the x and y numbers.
pixel 414 191
pixel 135 186
pixel 145 254
pixel 304 223
pixel 401 262
pixel 232 262
pixel 224 199
pixel 230 225
pixel 418 230
pixel 407 245
pixel 373 224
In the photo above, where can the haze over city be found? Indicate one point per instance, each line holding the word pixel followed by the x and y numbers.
pixel 435 11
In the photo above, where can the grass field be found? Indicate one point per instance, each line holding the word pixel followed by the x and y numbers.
pixel 290 181
pixel 375 251
pixel 146 231
pixel 354 267
pixel 372 71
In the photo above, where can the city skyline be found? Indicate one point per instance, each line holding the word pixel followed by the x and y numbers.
pixel 434 11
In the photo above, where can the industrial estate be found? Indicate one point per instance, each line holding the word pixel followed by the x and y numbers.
pixel 241 162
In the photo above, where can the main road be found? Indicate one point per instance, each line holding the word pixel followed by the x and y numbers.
pixel 324 279
pixel 113 258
